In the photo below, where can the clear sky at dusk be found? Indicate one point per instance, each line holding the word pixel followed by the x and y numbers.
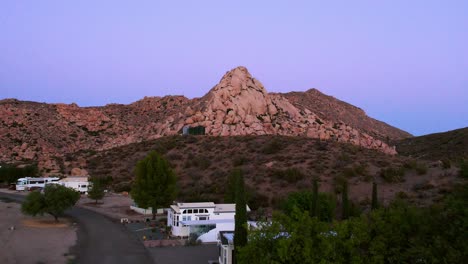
pixel 403 62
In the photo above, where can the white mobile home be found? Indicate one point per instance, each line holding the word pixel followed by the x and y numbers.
pixel 79 184
pixel 25 184
pixel 187 218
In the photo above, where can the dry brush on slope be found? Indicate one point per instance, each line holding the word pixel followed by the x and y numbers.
pixel 277 165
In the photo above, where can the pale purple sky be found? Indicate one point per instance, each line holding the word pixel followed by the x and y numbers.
pixel 404 62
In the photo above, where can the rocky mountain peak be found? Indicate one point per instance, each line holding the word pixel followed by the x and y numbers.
pixel 237 80
pixel 239 92
pixel 238 105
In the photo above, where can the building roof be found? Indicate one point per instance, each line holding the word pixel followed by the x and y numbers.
pixel 218 208
pixel 196 205
pixel 227 208
pixel 206 222
pixel 74 179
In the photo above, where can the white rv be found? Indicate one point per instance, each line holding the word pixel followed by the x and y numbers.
pixel 25 184
pixel 79 184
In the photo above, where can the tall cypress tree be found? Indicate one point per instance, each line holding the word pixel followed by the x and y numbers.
pixel 230 194
pixel 345 201
pixel 375 201
pixel 240 231
pixel 155 183
pixel 314 207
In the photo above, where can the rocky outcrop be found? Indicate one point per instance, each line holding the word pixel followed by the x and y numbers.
pixel 238 105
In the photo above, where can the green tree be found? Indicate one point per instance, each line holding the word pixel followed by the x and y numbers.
pixel 240 229
pixel 313 208
pixel 345 201
pixel 10 174
pixel 97 191
pixel 54 201
pixel 464 169
pixel 375 201
pixel 155 183
pixel 230 194
pixel 302 200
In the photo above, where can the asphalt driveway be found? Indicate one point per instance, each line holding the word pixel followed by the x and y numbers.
pixel 101 240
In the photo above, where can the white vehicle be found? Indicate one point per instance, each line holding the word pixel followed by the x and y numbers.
pixel 80 184
pixel 25 184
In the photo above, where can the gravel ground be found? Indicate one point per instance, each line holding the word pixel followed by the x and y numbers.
pixel 34 240
pixel 113 205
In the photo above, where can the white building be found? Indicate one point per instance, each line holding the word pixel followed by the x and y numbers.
pixel 226 246
pixel 201 218
pixel 79 184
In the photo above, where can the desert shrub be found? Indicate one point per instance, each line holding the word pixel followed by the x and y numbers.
pixel 123 187
pixel 338 182
pixel 356 170
pixel 343 160
pixel 272 147
pixel 322 146
pixel 239 161
pixel 291 175
pixel 174 156
pixel 423 186
pixel 349 172
pixel 402 195
pixel 193 240
pixel 392 174
pixel 382 163
pixel 446 164
pixel 256 199
pixel 201 162
pixel 420 168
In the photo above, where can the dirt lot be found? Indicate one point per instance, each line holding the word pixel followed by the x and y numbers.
pixel 34 239
pixel 113 205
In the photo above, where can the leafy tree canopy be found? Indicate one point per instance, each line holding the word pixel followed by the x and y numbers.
pixel 155 182
pixel 399 233
pixel 54 200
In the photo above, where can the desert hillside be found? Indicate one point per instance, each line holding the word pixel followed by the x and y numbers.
pixel 451 145
pixel 276 165
pixel 238 105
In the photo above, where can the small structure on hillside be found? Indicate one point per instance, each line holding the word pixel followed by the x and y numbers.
pixel 198 130
pixel 204 219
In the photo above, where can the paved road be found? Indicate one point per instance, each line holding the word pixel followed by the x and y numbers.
pixel 100 240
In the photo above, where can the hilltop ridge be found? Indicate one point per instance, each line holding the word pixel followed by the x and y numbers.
pixel 238 105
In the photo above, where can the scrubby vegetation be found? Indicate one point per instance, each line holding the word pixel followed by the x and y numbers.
pixel 10 174
pixel 273 166
pixel 452 145
pixel 399 233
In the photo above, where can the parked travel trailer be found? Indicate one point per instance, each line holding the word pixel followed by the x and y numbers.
pixel 79 184
pixel 25 184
